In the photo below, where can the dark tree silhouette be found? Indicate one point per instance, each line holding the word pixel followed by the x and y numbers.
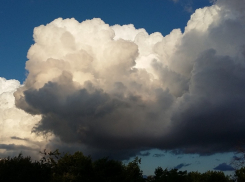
pixel 109 170
pixel 54 167
pixel 23 169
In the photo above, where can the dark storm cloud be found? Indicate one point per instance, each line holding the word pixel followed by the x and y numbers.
pixel 85 118
pixel 224 167
pixel 98 120
pixel 211 115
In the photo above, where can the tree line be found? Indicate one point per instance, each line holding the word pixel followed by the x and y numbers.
pixel 54 167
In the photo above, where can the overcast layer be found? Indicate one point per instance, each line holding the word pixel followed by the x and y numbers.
pixel 115 90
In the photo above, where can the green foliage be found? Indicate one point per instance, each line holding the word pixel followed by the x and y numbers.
pixel 50 158
pixel 173 175
pixel 194 176
pixel 14 169
pixel 108 170
pixel 209 176
pixel 169 175
pixel 133 171
pixel 240 174
pixel 72 168
pixel 216 176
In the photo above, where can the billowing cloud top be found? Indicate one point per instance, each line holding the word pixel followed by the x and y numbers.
pixel 116 90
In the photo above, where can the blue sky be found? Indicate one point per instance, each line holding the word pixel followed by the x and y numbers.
pixel 18 19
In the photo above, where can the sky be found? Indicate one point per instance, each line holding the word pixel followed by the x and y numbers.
pixel 158 79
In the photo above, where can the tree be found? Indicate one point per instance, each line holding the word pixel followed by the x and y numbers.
pixel 23 169
pixel 108 170
pixel 171 175
pixel 73 168
pixel 158 173
pixel 194 177
pixel 216 176
pixel 133 172
pixel 239 160
pixel 240 174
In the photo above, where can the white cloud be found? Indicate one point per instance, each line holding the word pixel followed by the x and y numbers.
pixel 16 125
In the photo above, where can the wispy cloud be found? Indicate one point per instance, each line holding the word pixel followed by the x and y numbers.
pixel 181 166
pixel 18 138
pixel 158 155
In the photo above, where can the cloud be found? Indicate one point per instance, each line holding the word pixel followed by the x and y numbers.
pixel 14 147
pixel 158 155
pixel 224 167
pixel 16 125
pixel 186 4
pixel 236 157
pixel 18 138
pixel 116 90
pixel 144 153
pixel 197 162
pixel 188 8
pixel 181 166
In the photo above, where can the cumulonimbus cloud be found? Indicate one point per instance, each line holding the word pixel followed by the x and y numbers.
pixel 116 90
